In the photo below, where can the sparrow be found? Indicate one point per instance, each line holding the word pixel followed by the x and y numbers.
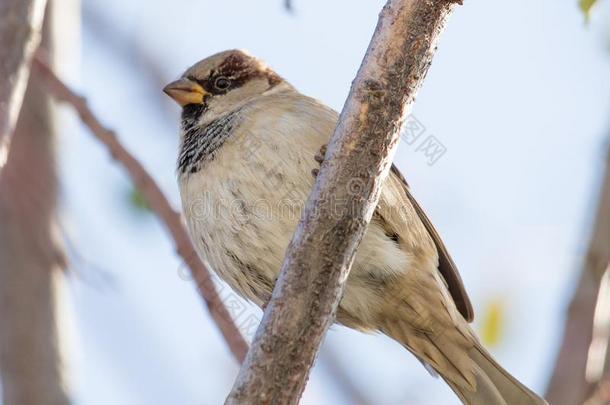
pixel 249 142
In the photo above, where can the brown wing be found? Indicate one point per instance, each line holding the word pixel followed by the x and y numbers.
pixel 446 265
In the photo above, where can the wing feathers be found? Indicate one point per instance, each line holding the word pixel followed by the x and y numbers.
pixel 446 266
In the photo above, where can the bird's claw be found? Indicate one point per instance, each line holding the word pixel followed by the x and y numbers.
pixel 319 157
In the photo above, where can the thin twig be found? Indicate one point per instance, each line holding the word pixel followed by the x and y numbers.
pixel 288 6
pixel 158 203
pixel 318 259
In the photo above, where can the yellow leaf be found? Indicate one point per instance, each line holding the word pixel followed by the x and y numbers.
pixel 586 6
pixel 492 327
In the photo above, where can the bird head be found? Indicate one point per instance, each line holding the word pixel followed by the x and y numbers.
pixel 222 83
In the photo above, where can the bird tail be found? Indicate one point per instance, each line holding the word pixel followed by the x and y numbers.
pixel 494 385
pixel 460 359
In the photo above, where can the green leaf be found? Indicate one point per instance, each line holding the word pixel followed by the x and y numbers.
pixel 586 6
pixel 138 201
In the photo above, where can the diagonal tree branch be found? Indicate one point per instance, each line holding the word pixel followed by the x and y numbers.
pixel 158 203
pixel 318 260
pixel 20 31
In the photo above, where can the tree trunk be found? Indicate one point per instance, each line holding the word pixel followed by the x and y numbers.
pixel 31 259
pixel 317 263
pixel 20 25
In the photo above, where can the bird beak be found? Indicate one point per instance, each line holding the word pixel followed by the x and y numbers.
pixel 185 91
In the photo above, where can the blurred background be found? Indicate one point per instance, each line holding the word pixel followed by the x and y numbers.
pixel 518 98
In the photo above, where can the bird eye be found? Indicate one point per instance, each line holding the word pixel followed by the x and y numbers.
pixel 222 83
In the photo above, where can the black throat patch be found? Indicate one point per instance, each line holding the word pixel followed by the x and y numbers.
pixel 200 143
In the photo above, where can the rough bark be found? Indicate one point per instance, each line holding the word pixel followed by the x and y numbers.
pixel 346 192
pixel 20 26
pixel 158 203
pixel 568 384
pixel 31 259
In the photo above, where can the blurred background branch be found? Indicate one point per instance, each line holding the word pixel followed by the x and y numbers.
pixel 20 26
pixel 597 372
pixel 32 262
pixel 288 6
pixel 568 385
pixel 582 360
pixel 157 202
